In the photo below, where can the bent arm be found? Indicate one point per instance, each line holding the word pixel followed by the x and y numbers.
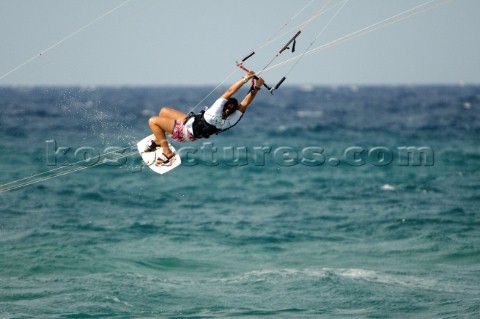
pixel 250 96
pixel 233 89
pixel 237 85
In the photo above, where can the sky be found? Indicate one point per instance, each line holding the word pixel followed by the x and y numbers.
pixel 159 42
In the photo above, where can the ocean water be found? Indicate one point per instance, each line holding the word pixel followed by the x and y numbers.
pixel 323 202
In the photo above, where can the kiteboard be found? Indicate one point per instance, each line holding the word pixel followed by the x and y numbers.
pixel 150 158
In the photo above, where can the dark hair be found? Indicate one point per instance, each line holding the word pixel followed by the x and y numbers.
pixel 229 107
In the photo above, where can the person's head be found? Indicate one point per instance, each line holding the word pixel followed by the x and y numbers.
pixel 229 107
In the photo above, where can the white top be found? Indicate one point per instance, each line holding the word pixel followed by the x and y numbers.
pixel 213 115
pixel 188 127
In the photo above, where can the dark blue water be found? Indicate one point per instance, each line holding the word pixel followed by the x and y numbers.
pixel 345 202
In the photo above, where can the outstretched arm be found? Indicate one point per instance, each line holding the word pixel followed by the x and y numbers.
pixel 250 96
pixel 237 85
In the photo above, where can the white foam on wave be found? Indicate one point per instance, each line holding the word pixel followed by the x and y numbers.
pixel 273 275
pixel 387 187
pixel 117 300
pixel 309 114
pixel 373 276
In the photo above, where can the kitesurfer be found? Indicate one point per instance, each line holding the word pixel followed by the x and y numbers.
pixel 222 115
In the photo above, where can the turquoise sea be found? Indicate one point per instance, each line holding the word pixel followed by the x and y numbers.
pixel 323 202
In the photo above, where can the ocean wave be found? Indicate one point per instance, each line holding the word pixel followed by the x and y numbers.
pixel 310 114
pixel 354 274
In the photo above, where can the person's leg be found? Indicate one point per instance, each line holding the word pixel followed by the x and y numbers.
pixel 164 123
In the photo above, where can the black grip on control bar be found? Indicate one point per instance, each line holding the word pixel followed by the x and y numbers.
pixel 290 41
pixel 264 84
pixel 248 56
pixel 280 83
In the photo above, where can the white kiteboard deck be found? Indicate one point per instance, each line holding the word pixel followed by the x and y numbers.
pixel 150 158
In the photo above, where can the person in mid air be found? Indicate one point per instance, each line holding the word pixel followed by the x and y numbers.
pixel 222 115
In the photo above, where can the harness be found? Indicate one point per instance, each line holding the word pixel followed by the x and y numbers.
pixel 203 129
